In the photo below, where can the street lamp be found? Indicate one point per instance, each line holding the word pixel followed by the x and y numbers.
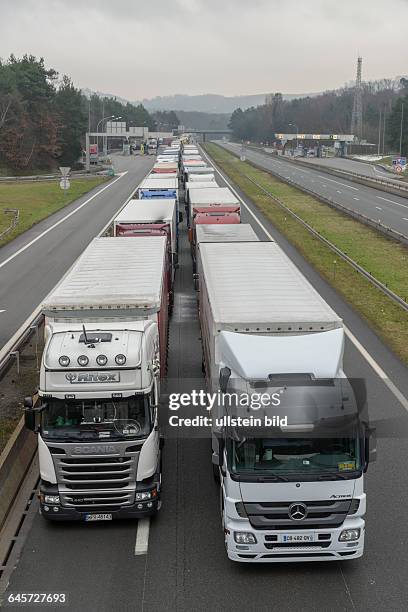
pixel 297 133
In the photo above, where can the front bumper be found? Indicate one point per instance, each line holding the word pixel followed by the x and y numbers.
pixel 136 510
pixel 329 549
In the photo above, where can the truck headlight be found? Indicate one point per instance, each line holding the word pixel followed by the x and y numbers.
pixel 144 495
pixel 120 359
pixel 83 360
pixel 349 535
pixel 51 499
pixel 64 361
pixel 101 360
pixel 244 537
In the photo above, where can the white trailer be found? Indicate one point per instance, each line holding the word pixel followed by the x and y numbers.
pixel 288 493
pixel 105 346
pixel 210 196
pixel 148 212
pixel 158 188
pixel 242 232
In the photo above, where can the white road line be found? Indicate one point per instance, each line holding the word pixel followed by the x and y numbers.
pixel 358 199
pixel 362 350
pixel 142 536
pixel 338 191
pixel 392 201
pixel 404 218
pixel 378 370
pixel 304 171
pixel 2 311
pixel 338 183
pixel 378 208
pixel 73 212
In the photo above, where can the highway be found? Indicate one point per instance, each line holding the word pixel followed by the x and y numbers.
pixel 372 170
pixel 183 565
pixel 391 210
pixel 34 262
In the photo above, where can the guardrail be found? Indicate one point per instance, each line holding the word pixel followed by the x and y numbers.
pixel 14 222
pixel 50 177
pixel 12 349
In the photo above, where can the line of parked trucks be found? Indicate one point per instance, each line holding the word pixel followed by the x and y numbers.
pixel 289 493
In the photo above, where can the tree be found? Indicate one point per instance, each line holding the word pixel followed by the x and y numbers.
pixel 398 115
pixel 73 121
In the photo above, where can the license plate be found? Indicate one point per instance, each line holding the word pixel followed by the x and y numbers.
pixel 297 538
pixel 98 517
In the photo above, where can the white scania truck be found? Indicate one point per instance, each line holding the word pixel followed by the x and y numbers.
pixel 290 490
pixel 96 415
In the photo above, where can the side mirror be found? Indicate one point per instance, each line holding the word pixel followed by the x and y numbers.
pixel 28 402
pixel 225 374
pixel 370 446
pixel 216 459
pixel 29 419
pixel 195 281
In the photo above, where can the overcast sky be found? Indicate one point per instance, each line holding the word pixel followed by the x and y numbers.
pixel 142 48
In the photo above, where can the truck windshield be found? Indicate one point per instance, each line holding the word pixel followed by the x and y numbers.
pixel 86 419
pixel 292 458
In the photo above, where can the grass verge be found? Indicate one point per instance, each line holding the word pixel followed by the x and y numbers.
pixel 36 201
pixel 385 258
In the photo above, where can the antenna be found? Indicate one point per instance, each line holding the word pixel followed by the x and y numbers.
pixel 85 336
pixel 357 114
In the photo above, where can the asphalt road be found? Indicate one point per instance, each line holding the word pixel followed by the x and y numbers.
pixel 371 170
pixel 391 210
pixel 26 277
pixel 185 568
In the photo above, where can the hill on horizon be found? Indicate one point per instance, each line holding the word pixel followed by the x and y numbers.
pixel 203 103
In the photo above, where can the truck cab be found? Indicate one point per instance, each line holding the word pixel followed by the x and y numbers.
pixel 96 420
pixel 292 483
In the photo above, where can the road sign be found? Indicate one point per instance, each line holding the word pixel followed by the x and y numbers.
pixel 64 183
pixel 65 170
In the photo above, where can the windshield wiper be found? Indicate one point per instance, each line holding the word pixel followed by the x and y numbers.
pixel 333 476
pixel 272 478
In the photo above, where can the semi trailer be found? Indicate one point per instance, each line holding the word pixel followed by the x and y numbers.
pixel 209 197
pixel 291 482
pixel 106 331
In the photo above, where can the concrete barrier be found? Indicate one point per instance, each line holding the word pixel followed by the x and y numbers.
pixel 14 463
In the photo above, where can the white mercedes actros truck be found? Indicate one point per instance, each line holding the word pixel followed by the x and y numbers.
pixel 290 463
pixel 96 414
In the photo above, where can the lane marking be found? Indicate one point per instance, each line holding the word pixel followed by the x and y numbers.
pixel 370 360
pixel 2 311
pixel 378 370
pixel 358 199
pixel 338 183
pixel 405 219
pixel 142 537
pixel 73 212
pixel 392 201
pixel 338 191
pixel 378 208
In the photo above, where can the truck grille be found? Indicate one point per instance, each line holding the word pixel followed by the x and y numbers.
pixel 91 482
pixel 275 515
